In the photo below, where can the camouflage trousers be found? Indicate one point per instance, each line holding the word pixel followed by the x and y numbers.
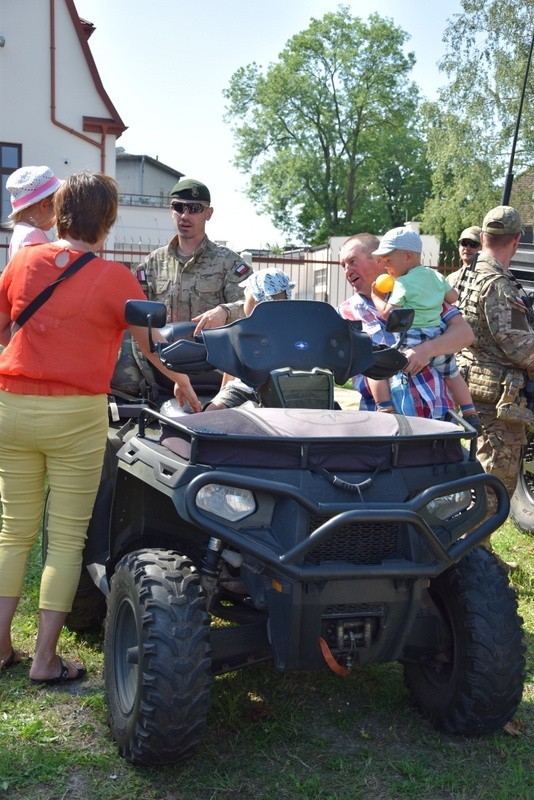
pixel 499 449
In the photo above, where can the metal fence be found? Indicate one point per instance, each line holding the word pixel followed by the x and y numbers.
pixel 314 279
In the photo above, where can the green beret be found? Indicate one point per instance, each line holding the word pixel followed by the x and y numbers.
pixel 189 189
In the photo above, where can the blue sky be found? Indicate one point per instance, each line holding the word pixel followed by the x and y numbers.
pixel 165 64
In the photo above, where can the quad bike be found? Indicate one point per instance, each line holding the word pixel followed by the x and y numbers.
pixel 312 537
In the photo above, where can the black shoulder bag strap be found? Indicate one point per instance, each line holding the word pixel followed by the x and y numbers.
pixel 43 296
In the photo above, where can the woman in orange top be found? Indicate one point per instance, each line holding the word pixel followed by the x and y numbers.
pixel 54 380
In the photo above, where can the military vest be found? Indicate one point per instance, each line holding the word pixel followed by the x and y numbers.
pixel 484 365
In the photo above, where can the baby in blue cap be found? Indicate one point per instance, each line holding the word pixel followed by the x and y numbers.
pixel 266 284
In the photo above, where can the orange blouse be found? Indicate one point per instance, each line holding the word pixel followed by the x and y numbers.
pixel 70 345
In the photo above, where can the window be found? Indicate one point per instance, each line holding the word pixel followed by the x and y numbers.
pixel 10 160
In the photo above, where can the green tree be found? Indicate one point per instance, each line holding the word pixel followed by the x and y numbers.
pixel 329 133
pixel 470 130
pixel 464 175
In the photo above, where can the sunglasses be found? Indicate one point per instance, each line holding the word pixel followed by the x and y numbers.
pixel 469 243
pixel 190 208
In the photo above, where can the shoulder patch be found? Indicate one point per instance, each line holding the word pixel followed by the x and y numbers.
pixel 241 269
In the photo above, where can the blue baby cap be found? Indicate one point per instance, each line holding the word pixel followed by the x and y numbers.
pixel 265 283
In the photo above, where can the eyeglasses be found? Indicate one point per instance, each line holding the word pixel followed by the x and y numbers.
pixel 469 243
pixel 189 208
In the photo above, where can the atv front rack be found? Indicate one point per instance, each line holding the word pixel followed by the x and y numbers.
pixel 291 563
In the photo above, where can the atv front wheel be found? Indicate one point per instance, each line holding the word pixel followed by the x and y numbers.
pixel 522 502
pixel 157 657
pixel 473 686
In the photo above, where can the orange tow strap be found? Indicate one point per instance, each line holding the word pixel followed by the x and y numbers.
pixel 339 669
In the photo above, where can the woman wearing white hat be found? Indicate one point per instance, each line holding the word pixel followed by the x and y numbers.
pixel 32 190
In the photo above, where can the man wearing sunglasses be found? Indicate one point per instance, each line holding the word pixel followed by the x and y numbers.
pixel 197 279
pixel 468 246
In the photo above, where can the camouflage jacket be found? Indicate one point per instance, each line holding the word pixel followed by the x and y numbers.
pixel 492 301
pixel 190 286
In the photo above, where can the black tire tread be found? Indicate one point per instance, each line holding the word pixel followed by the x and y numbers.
pixel 522 502
pixel 167 722
pixel 488 672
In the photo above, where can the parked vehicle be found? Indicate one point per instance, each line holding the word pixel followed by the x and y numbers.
pixel 522 505
pixel 522 266
pixel 311 537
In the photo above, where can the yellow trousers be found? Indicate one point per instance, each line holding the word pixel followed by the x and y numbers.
pixel 63 438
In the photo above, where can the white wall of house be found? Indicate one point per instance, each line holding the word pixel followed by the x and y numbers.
pixel 142 228
pixel 50 108
pixel 145 179
pixel 145 185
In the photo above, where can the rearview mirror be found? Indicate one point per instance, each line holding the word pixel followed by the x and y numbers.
pixel 145 313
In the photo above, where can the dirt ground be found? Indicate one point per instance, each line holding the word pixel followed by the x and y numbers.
pixel 347 398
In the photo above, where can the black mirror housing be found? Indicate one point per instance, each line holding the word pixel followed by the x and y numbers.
pixel 400 320
pixel 145 313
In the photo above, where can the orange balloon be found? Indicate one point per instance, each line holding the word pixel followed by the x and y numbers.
pixel 385 282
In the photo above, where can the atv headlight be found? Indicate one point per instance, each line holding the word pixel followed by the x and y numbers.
pixel 449 505
pixel 228 502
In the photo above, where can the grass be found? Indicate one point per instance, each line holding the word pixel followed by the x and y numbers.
pixel 298 736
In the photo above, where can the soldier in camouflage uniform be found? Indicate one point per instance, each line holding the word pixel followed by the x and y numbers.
pixel 195 278
pixel 468 247
pixel 501 359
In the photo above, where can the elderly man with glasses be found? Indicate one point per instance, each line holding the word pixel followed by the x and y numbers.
pixel 197 279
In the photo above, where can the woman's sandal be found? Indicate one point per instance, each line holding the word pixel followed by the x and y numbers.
pixel 14 659
pixel 63 676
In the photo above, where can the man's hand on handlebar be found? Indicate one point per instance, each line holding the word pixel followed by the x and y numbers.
pixel 213 318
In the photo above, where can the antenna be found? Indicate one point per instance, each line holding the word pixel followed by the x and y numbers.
pixel 510 177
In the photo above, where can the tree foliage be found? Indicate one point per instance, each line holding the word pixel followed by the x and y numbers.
pixel 329 133
pixel 470 129
pixel 463 176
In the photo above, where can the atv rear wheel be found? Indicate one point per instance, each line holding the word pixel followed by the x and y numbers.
pixel 472 687
pixel 157 657
pixel 522 502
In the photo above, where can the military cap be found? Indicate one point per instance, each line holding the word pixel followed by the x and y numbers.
pixel 502 220
pixel 189 189
pixel 472 233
